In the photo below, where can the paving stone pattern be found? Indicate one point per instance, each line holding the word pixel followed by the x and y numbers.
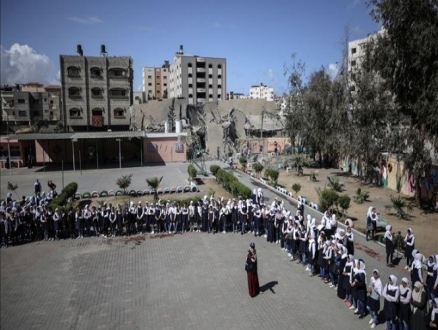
pixel 190 281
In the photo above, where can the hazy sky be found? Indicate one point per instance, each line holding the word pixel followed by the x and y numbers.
pixel 256 37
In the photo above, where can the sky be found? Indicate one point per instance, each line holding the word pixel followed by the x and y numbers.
pixel 256 37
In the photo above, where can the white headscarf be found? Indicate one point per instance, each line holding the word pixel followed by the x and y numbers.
pixel 370 211
pixel 416 296
pixel 418 258
pixel 393 286
pixel 402 288
pixel 434 310
pixel 377 282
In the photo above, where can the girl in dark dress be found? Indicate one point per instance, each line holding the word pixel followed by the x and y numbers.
pixel 350 241
pixel 373 302
pixel 430 279
pixel 417 269
pixel 253 278
pixel 404 311
pixel 410 246
pixel 391 293
pixel 433 324
pixel 271 226
pixel 341 292
pixel 234 217
pixel 389 244
pixel 359 285
pixel 346 274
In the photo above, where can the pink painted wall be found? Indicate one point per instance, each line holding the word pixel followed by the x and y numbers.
pixel 162 150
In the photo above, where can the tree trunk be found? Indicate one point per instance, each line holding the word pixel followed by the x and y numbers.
pixel 417 190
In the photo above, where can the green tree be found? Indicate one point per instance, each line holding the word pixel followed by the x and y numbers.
pixel 344 203
pixel 258 168
pixel 192 171
pixel 154 183
pixel 405 57
pixel 296 187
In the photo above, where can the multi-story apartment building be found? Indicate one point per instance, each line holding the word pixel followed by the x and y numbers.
pixel 198 79
pixel 156 81
pixel 26 104
pixel 97 91
pixel 236 96
pixel 261 92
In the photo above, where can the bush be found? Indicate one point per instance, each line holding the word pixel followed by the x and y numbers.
pixel 243 160
pixel 192 171
pixel 361 196
pixel 296 187
pixel 335 184
pixel 232 184
pixel 327 198
pixel 344 202
pixel 124 182
pixel 214 169
pixel 63 199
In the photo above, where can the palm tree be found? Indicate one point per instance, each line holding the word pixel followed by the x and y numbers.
pixel 154 183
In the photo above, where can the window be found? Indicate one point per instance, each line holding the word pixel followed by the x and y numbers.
pixel 118 93
pixel 190 85
pixel 119 112
pixel 210 66
pixel 74 92
pixel 353 50
pixel 75 112
pixel 353 88
pixel 190 65
pixel 219 96
pixel 51 101
pixel 353 63
pixel 149 77
pixel 158 77
pixel 164 84
pixel 73 71
pixel 190 95
pixel 117 73
pixel 95 73
pixel 96 92
pixel 21 101
pixel 219 86
pixel 149 84
pixel 190 75
pixel 22 113
pixel 219 66
pixel 219 76
pixel 96 112
pixel 210 86
pixel 45 100
pixel 36 101
pixel 179 147
pixel 210 96
pixel 36 113
pixel 210 76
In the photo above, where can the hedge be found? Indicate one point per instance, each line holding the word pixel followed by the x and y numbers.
pixel 232 184
pixel 214 169
pixel 61 201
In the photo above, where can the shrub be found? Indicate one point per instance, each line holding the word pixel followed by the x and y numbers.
pixel 124 182
pixel 272 174
pixel 335 184
pixel 232 184
pixel 296 187
pixel 327 198
pixel 399 204
pixel 62 201
pixel 192 171
pixel 361 196
pixel 344 202
pixel 243 160
pixel 214 169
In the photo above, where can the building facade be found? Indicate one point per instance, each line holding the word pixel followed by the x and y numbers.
pixel 97 91
pixel 198 79
pixel 156 81
pixel 24 105
pixel 261 92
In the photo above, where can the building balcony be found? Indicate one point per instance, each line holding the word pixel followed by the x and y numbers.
pixel 53 107
pixel 200 100
pixel 200 59
pixel 200 90
pixel 118 97
pixel 200 80
pixel 53 117
pixel 200 70
pixel 8 106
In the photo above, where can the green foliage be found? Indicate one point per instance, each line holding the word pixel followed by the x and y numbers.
pixel 101 202
pixel 405 57
pixel 124 182
pixel 296 187
pixel 327 198
pixel 192 171
pixel 243 160
pixel 154 183
pixel 400 204
pixel 258 168
pixel 335 184
pixel 272 174
pixel 344 202
pixel 63 200
pixel 232 184
pixel 214 169
pixel 361 196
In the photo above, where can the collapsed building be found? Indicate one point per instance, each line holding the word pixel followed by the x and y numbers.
pixel 215 127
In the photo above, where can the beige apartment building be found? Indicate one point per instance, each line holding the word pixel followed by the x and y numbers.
pixel 97 91
pixel 156 81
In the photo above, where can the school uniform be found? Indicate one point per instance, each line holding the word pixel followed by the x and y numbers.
pixel 391 295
